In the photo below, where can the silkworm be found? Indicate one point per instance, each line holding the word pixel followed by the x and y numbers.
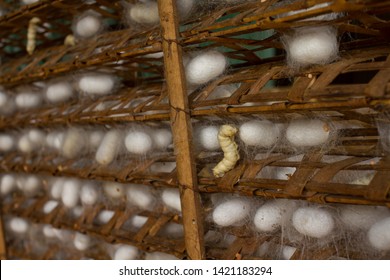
pixel 230 149
pixel 31 34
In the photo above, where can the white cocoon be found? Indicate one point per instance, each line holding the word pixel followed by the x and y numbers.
pixel 105 216
pixel 312 45
pixel 59 92
pixel 28 100
pixel 95 138
pixel 208 137
pixel 379 234
pixel 49 206
pixel 70 193
pixel 18 225
pixel 138 142
pixel 126 252
pixel 171 198
pixel 3 99
pixel 97 84
pixel 27 2
pixel 29 185
pixel 173 230
pixel 89 194
pixel 88 26
pixel 159 256
pixel 145 13
pixel 81 241
pixel 138 221
pixel 284 173
pixel 7 184
pixel 307 133
pixel 55 139
pixel 74 143
pixel 273 214
pixel 184 7
pixel 48 231
pixel 222 91
pixel 140 196
pixel 113 190
pixel 231 212
pixel 362 216
pixel 56 188
pixel 259 133
pixel 205 67
pixel 109 147
pixel 31 141
pixel 7 142
pixel 313 222
pixel 162 138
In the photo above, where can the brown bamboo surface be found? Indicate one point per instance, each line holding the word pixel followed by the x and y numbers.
pixel 149 237
pixel 182 131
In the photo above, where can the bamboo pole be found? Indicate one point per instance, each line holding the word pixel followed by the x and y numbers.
pixel 3 248
pixel 182 131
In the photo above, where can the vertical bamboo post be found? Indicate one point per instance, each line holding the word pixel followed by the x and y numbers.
pixel 182 130
pixel 3 248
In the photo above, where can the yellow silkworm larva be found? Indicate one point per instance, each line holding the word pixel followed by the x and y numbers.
pixel 230 149
pixel 31 34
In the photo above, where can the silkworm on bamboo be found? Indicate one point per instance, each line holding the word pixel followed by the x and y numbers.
pixel 31 34
pixel 230 149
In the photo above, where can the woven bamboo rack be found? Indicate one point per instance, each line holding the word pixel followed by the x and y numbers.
pixel 154 93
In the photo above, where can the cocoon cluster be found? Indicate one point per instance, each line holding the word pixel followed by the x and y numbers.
pixel 28 100
pixel 307 133
pixel 205 67
pixel 231 212
pixel 87 25
pixel 29 184
pixel 31 140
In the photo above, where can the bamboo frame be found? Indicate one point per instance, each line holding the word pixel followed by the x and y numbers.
pixel 182 131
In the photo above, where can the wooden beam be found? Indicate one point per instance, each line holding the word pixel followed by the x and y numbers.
pixel 3 248
pixel 182 131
